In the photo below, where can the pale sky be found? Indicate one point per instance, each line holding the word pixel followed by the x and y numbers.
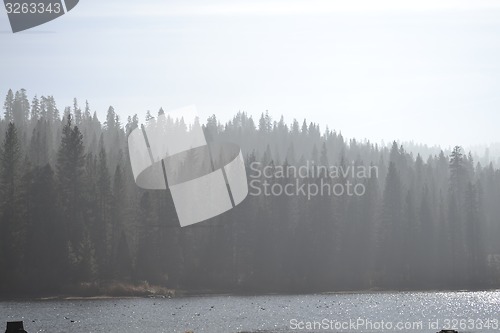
pixel 426 71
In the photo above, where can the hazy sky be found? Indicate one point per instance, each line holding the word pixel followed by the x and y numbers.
pixel 427 71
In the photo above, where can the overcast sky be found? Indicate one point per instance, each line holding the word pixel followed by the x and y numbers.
pixel 427 71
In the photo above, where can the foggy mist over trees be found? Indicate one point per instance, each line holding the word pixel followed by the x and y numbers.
pixel 70 211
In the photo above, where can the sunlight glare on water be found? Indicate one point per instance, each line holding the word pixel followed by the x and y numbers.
pixel 272 313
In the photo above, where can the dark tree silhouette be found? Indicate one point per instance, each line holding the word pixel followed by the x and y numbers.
pixel 71 213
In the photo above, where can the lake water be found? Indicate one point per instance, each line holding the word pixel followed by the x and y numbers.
pixel 368 312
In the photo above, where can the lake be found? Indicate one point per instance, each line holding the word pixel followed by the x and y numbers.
pixel 348 312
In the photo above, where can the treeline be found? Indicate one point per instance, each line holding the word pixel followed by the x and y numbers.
pixel 70 212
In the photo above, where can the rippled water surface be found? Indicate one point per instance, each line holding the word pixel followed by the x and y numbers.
pixel 468 311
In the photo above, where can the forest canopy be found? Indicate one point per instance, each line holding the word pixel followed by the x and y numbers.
pixel 70 211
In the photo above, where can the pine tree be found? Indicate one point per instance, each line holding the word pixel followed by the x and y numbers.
pixel 457 171
pixel 35 109
pixel 8 107
pixel 110 119
pixel 101 230
pixel 456 222
pixel 147 267
pixel 474 250
pixel 51 110
pixel 70 168
pixel 77 112
pixel 11 226
pixel 46 250
pixel 120 251
pixel 21 99
pixel 265 123
pixel 392 233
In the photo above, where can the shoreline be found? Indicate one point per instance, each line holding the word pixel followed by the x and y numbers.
pixel 204 293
